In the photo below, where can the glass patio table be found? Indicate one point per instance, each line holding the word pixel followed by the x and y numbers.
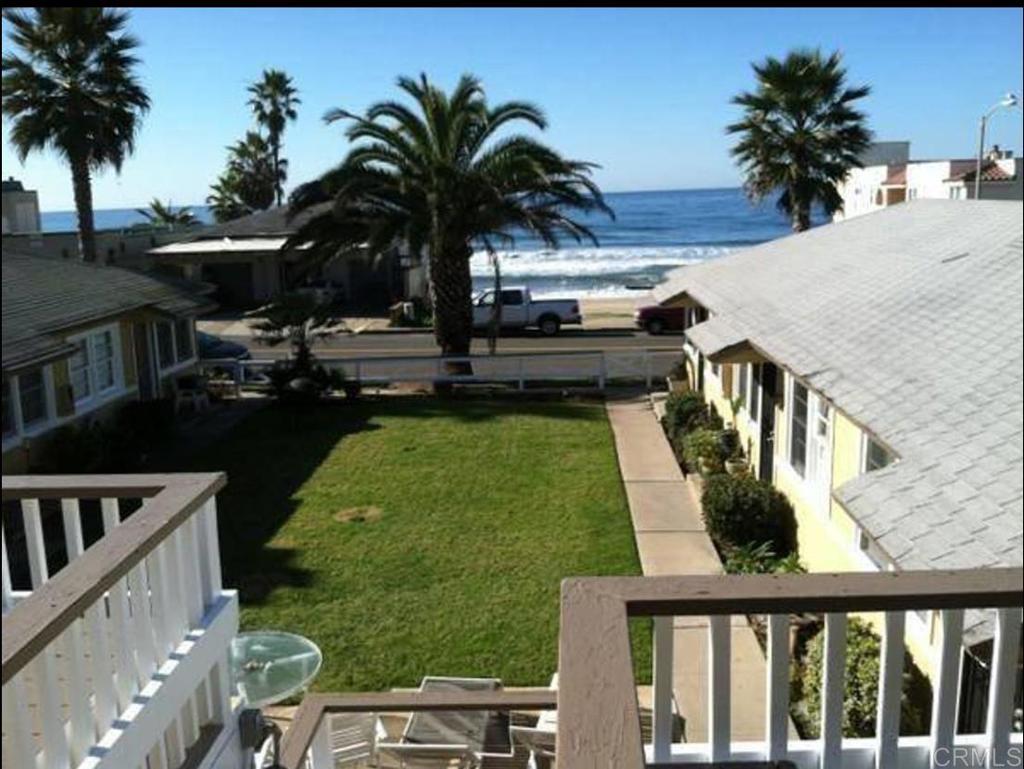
pixel 269 666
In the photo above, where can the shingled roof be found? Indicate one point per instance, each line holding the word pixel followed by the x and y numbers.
pixel 910 321
pixel 42 297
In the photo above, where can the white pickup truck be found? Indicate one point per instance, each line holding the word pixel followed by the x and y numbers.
pixel 520 310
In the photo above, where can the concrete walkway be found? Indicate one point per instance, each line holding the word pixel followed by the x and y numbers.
pixel 671 539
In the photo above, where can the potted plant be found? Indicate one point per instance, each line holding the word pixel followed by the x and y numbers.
pixel 736 462
pixel 677 380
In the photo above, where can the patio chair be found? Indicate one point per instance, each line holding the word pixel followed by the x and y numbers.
pixel 412 756
pixel 354 738
pixel 539 742
pixel 191 391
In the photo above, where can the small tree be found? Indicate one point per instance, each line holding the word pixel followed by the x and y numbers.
pixel 300 320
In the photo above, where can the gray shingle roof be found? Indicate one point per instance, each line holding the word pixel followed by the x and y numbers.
pixel 910 320
pixel 273 222
pixel 43 296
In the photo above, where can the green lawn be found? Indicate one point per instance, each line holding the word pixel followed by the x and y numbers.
pixel 411 536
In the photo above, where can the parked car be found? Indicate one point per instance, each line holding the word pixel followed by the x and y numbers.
pixel 214 347
pixel 655 319
pixel 520 310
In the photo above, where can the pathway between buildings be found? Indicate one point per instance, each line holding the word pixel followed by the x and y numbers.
pixel 671 539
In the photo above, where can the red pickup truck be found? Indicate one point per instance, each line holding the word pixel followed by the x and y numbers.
pixel 655 319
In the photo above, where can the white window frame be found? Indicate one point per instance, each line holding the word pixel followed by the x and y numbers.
pixel 815 484
pixel 98 395
pixel 865 441
pixel 753 394
pixel 176 364
pixel 21 430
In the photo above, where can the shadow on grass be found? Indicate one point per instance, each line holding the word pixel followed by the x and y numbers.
pixel 270 455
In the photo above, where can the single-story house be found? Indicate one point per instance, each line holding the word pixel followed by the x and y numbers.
pixel 79 339
pixel 245 260
pixel 879 369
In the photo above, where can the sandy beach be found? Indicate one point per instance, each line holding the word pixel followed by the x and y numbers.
pixel 612 312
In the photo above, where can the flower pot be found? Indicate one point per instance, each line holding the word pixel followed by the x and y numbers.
pixel 736 466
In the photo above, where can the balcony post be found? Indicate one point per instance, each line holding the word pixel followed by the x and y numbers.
pixel 662 695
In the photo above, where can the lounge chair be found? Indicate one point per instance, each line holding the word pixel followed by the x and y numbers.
pixel 410 755
pixel 354 738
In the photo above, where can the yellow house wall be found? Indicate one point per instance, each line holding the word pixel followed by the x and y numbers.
pixel 826 533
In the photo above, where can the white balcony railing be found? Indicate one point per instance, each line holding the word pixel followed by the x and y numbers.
pixel 115 652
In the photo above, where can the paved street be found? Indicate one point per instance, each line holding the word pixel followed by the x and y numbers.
pixel 422 343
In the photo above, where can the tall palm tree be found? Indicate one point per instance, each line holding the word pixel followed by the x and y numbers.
pixel 164 214
pixel 437 176
pixel 800 133
pixel 273 102
pixel 248 183
pixel 71 87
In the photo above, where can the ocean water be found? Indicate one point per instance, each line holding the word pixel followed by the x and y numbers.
pixel 652 233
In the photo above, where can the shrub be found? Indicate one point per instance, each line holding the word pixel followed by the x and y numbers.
pixel 741 510
pixel 860 699
pixel 703 444
pixel 730 440
pixel 683 412
pixel 760 558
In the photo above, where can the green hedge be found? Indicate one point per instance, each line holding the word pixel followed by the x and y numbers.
pixel 740 510
pixel 683 412
pixel 860 702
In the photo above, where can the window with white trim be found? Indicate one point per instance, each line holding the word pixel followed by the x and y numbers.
pixel 741 383
pixel 876 456
pixel 32 397
pixel 165 343
pixel 93 368
pixel 798 428
pixel 183 336
pixel 174 341
pixel 870 548
pixel 754 392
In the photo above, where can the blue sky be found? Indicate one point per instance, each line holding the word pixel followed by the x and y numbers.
pixel 643 92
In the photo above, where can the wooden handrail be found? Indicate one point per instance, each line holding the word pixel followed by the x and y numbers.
pixel 92 486
pixel 315 706
pixel 598 721
pixel 48 610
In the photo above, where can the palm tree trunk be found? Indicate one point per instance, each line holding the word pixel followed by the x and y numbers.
pixel 451 289
pixel 278 189
pixel 82 184
pixel 801 218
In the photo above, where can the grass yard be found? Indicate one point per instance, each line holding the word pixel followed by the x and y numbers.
pixel 411 536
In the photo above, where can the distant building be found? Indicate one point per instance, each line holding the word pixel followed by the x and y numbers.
pixel 889 177
pixel 20 208
pixel 246 260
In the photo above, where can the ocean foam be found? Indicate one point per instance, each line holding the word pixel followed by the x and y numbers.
pixel 575 263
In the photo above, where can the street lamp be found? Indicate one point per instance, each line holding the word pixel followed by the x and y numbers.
pixel 1008 101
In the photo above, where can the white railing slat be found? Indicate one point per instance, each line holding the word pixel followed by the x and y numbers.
pixel 190 580
pixel 719 686
pixel 19 747
pixel 320 754
pixel 142 622
pixel 890 690
pixel 999 720
pixel 945 685
pixel 177 621
pixel 833 688
pixel 35 542
pixel 161 611
pixel 662 695
pixel 777 699
pixel 127 679
pixel 82 728
pixel 72 515
pixel 5 573
pixel 101 667
pixel 111 509
pixel 56 753
pixel 211 550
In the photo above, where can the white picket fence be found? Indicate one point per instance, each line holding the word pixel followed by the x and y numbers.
pixel 593 369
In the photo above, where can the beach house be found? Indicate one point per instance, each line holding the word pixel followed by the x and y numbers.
pixel 246 260
pixel 888 176
pixel 876 370
pixel 80 339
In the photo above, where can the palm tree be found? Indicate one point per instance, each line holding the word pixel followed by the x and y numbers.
pixel 71 88
pixel 164 214
pixel 437 176
pixel 273 102
pixel 248 183
pixel 800 133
